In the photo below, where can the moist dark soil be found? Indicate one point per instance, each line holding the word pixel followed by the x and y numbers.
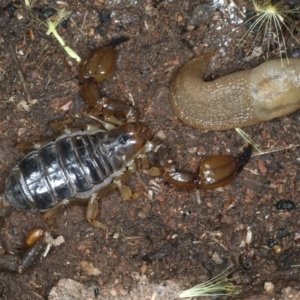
pixel 167 234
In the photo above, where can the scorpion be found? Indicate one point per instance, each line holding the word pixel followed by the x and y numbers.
pixel 86 165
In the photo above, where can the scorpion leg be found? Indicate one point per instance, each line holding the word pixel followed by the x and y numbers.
pixel 92 203
pixel 60 127
pixel 38 243
pixel 121 180
pixel 35 145
pixel 69 126
pixel 51 214
pixel 91 209
pixel 66 126
pixel 118 182
pixel 92 212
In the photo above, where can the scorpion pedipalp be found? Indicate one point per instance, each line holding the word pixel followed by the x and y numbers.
pixel 214 171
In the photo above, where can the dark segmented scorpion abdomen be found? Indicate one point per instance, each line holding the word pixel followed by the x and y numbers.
pixel 73 166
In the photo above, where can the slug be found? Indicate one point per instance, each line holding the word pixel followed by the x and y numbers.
pixel 237 100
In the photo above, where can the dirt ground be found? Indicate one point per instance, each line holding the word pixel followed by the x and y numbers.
pixel 167 240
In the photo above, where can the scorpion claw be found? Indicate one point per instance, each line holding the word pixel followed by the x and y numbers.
pixel 214 171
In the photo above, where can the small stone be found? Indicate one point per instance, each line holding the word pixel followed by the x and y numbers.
pixel 113 292
pixel 21 131
pixel 179 18
pixel 91 32
pixel 192 150
pixel 269 287
pixel 89 269
pixel 123 292
pixel 262 167
pixel 144 268
pixel 217 259
pixel 161 135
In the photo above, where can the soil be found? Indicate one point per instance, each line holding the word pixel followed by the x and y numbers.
pixel 168 239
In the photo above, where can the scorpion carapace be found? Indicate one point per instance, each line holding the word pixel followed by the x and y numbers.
pixel 84 165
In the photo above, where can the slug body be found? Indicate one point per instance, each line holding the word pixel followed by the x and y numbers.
pixel 240 99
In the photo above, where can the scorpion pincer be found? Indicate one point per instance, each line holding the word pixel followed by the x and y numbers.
pixel 83 165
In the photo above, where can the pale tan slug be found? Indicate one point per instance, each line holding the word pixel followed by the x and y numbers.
pixel 237 100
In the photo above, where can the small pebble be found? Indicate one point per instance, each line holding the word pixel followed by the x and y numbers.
pixel 269 287
pixel 113 292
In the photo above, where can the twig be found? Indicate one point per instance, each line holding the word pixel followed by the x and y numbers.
pixel 275 150
pixel 21 76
